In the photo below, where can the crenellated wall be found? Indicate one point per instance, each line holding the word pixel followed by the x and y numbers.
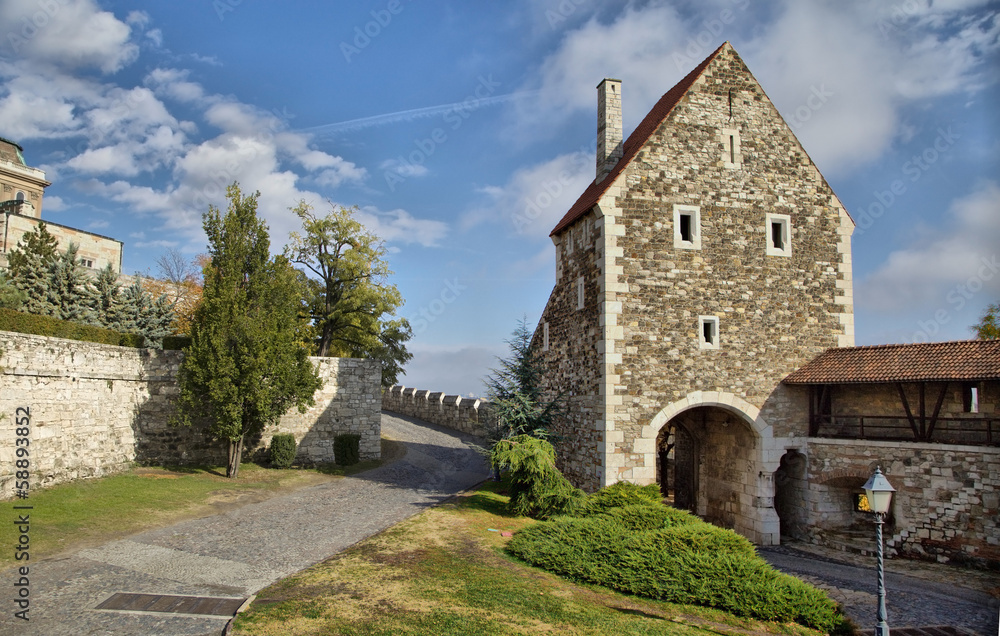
pixel 469 415
pixel 96 409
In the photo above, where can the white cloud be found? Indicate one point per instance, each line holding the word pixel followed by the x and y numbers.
pixel 795 48
pixel 54 203
pixel 68 34
pixel 403 168
pixel 535 198
pixel 399 226
pixel 945 266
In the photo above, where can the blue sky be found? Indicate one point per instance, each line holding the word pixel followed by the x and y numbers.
pixel 464 131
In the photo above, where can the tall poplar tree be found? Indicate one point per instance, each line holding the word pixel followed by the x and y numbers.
pixel 248 360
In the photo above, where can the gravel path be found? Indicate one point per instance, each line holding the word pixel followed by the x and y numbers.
pixel 237 553
pixel 910 601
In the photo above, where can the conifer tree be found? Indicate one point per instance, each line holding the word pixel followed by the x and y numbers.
pixel 106 299
pixel 69 294
pixel 10 296
pixel 248 359
pixel 29 264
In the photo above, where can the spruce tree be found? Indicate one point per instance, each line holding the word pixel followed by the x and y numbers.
pixel 248 359
pixel 106 299
pixel 29 264
pixel 10 296
pixel 70 295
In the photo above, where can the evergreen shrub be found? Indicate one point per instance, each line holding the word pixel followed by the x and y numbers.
pixel 537 488
pixel 19 322
pixel 347 449
pixel 619 495
pixel 282 450
pixel 650 550
pixel 176 343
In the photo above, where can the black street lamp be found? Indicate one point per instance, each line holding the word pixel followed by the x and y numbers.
pixel 879 492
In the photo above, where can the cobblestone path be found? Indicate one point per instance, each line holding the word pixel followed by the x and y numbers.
pixel 237 553
pixel 941 595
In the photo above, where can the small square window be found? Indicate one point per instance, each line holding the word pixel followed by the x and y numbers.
pixel 708 332
pixel 778 228
pixel 687 227
pixel 579 293
pixel 86 262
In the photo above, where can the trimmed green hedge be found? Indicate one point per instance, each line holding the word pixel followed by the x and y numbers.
pixel 11 320
pixel 282 450
pixel 651 550
pixel 347 449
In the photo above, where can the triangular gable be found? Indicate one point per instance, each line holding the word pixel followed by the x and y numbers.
pixel 635 141
pixel 642 134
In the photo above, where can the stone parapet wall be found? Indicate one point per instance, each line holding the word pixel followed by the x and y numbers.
pixel 947 501
pixel 468 415
pixel 96 409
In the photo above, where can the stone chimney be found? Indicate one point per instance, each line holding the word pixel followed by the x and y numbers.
pixel 609 126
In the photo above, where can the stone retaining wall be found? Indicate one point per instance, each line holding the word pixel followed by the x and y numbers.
pixel 947 501
pixel 96 409
pixel 468 415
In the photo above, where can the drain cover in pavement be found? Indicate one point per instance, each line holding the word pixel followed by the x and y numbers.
pixel 936 630
pixel 204 605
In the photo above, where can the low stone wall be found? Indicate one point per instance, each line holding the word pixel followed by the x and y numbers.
pixel 469 415
pixel 947 501
pixel 95 409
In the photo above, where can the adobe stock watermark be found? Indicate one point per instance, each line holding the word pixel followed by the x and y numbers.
pixel 818 96
pixel 551 190
pixel 28 27
pixel 957 298
pixel 914 169
pixel 412 163
pixel 364 34
pixel 899 15
pixel 706 39
pixel 562 12
pixel 449 294
pixel 222 7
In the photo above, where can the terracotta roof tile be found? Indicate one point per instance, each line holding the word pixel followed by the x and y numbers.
pixel 925 362
pixel 635 141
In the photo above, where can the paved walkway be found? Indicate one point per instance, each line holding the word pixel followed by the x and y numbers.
pixel 237 553
pixel 917 594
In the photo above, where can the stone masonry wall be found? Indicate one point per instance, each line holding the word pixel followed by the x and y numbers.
pixel 96 409
pixel 468 415
pixel 947 501
pixel 572 361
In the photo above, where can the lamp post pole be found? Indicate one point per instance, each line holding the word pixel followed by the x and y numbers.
pixel 881 627
pixel 879 492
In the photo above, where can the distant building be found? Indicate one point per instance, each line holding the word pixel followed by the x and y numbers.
pixel 22 190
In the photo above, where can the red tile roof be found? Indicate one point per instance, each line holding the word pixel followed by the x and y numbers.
pixel 635 141
pixel 926 362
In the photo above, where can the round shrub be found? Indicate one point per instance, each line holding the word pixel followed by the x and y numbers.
pixel 282 450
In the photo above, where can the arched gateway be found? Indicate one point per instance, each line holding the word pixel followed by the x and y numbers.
pixel 715 457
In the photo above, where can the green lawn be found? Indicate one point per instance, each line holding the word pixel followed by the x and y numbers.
pixel 93 511
pixel 444 572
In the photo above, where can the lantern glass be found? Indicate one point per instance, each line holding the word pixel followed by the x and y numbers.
pixel 879 492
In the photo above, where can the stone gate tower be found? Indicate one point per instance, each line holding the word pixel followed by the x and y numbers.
pixel 707 261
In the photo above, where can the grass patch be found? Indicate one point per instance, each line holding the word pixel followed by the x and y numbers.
pixel 93 511
pixel 445 572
